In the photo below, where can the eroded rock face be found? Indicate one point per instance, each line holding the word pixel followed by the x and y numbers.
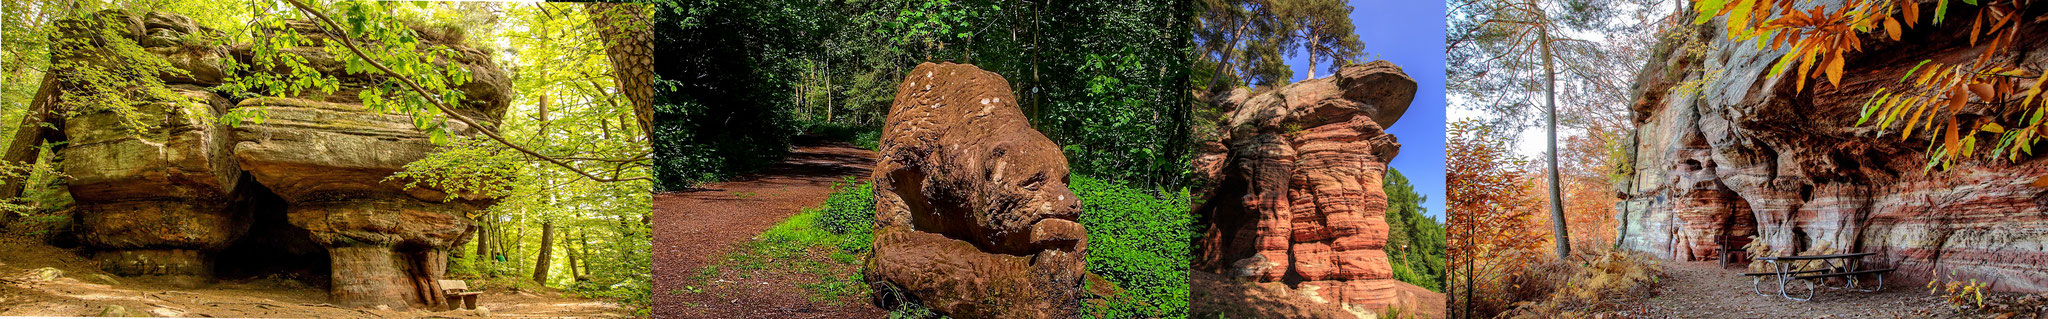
pixel 1747 155
pixel 973 215
pixel 165 200
pixel 1293 187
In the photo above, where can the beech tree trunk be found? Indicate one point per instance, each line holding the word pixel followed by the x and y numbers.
pixel 1564 237
pixel 540 264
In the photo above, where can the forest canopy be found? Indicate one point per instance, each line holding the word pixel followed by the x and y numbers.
pixel 1103 79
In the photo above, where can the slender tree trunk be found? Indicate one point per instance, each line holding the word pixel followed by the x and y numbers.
pixel 1311 50
pixel 1564 248
pixel 540 264
pixel 1223 55
pixel 583 241
pixel 575 273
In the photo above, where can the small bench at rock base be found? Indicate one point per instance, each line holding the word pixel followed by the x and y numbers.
pixel 458 293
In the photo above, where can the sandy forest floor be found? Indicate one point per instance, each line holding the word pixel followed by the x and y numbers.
pixel 698 228
pixel 40 280
pixel 1702 289
pixel 1217 296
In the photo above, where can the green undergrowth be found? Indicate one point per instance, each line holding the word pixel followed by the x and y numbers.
pixel 1137 239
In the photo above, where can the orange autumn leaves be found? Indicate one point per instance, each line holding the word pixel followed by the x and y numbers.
pixel 1498 228
pixel 1932 96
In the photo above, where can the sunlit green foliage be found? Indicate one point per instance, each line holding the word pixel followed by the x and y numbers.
pixel 1415 243
pixel 372 27
pixel 1137 238
pixel 101 70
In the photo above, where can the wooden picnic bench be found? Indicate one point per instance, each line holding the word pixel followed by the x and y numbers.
pixel 458 290
pixel 1844 266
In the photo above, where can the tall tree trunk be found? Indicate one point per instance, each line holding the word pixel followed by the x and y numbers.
pixel 1223 55
pixel 583 243
pixel 1311 50
pixel 540 264
pixel 483 249
pixel 1564 238
pixel 629 45
pixel 575 274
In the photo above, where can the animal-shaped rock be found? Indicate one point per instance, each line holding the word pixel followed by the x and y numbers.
pixel 1293 190
pixel 973 215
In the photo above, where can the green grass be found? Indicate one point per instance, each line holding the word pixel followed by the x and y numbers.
pixel 1137 239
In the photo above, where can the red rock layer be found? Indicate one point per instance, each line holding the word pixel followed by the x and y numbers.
pixel 1817 182
pixel 1295 192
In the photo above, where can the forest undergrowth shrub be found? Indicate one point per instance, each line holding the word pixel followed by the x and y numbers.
pixel 1137 238
pixel 1590 283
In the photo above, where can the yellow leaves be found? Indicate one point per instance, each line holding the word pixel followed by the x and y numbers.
pixel 1891 27
pixel 1835 69
pixel 1991 127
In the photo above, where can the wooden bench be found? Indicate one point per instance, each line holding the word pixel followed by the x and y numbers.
pixel 459 294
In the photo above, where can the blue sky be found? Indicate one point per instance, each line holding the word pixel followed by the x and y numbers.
pixel 1410 34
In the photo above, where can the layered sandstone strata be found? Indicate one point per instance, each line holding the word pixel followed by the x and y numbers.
pixel 973 215
pixel 167 197
pixel 1293 190
pixel 1748 155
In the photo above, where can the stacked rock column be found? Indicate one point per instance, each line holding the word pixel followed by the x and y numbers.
pixel 154 186
pixel 381 236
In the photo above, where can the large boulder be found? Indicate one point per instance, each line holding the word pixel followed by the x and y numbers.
pixel 1292 189
pixel 973 215
pixel 1740 153
pixel 166 187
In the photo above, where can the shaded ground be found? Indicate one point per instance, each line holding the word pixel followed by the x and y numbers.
pixel 696 229
pixel 39 280
pixel 1214 296
pixel 1702 289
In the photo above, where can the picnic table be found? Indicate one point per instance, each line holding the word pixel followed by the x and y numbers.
pixel 1818 268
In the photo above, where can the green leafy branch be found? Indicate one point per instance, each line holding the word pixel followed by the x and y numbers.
pixel 437 100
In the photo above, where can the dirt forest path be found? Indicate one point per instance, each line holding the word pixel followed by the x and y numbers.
pixel 40 280
pixel 1702 289
pixel 696 228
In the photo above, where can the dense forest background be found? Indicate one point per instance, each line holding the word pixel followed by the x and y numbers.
pixel 1104 79
pixel 573 209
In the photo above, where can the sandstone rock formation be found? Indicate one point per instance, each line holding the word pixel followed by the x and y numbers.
pixel 1292 191
pixel 1739 153
pixel 973 215
pixel 173 199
